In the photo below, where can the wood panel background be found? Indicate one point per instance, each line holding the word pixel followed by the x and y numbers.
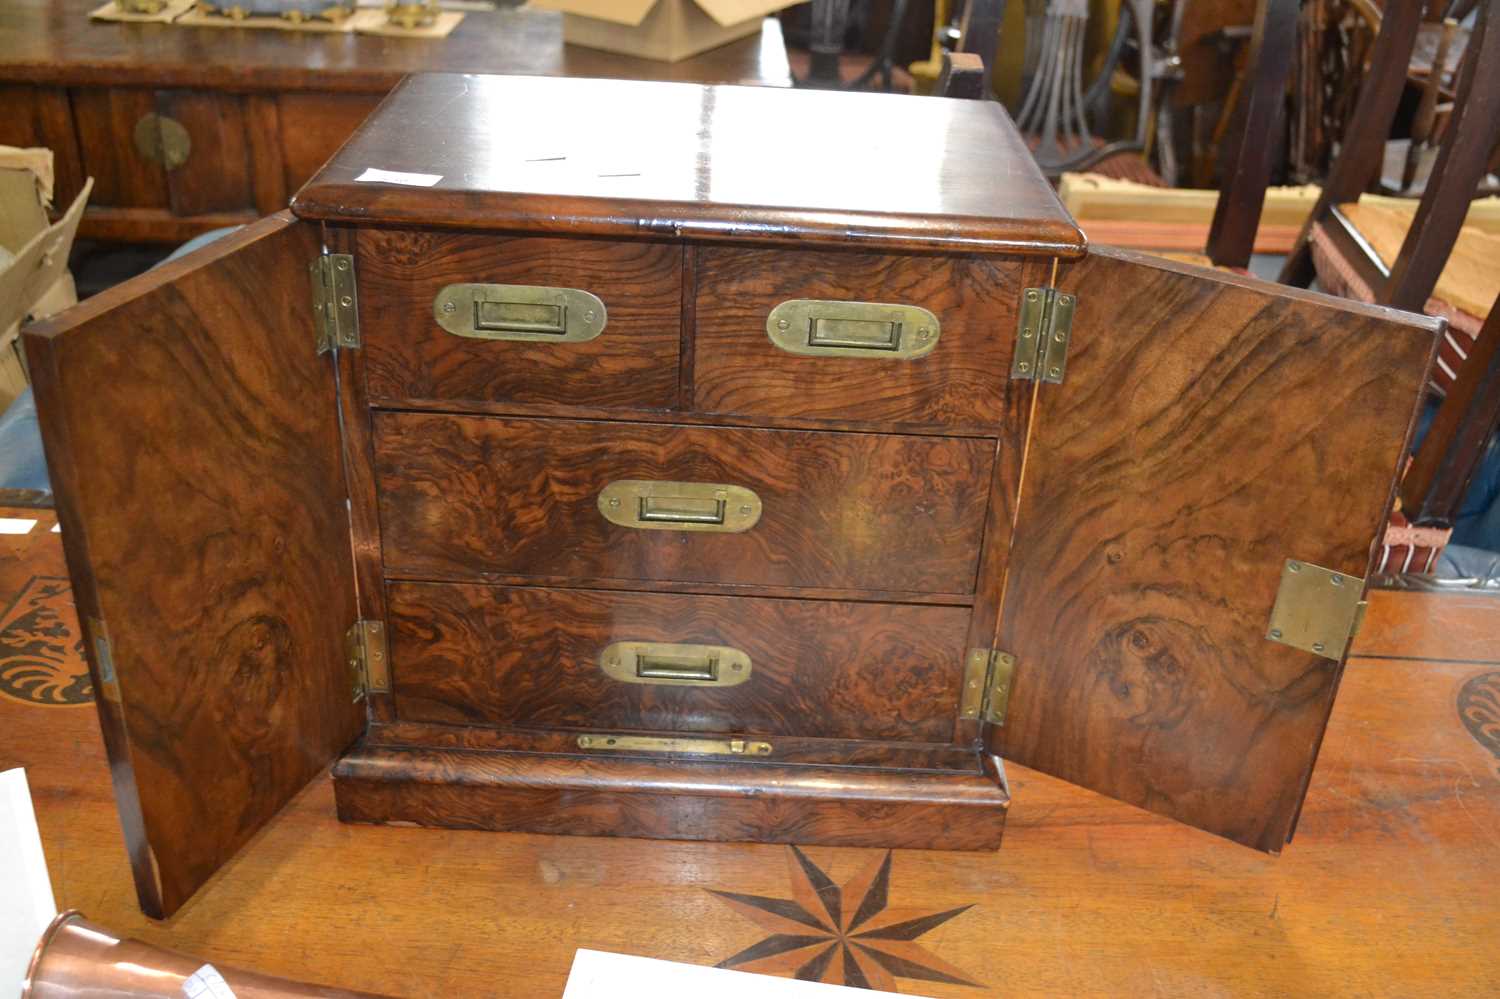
pixel 192 437
pixel 1210 428
pixel 530 657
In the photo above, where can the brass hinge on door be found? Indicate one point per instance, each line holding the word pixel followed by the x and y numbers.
pixel 986 691
pixel 1042 333
pixel 369 663
pixel 335 301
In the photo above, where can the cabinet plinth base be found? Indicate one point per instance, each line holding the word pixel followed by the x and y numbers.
pixel 672 799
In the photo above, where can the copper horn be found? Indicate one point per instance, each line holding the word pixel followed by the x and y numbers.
pixel 75 959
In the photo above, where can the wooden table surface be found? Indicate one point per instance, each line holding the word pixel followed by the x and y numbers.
pixel 1388 889
pixel 48 42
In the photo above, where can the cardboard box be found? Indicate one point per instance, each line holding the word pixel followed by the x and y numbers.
pixel 34 278
pixel 668 30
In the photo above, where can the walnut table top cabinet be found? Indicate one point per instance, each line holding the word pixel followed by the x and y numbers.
pixel 712 463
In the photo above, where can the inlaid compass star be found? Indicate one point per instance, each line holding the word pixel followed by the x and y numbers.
pixel 845 934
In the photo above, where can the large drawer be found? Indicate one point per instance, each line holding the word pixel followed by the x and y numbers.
pixel 535 658
pixel 484 497
pixel 957 381
pixel 531 291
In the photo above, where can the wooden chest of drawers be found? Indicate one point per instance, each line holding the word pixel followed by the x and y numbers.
pixel 668 461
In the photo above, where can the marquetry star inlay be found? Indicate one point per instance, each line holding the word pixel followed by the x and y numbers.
pixel 845 934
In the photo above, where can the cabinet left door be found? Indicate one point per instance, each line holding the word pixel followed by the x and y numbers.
pixel 192 438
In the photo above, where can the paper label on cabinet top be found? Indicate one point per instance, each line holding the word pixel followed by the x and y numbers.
pixel 373 175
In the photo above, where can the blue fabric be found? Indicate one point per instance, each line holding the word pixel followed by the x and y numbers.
pixel 22 465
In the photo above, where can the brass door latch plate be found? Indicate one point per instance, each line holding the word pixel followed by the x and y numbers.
pixel 1317 610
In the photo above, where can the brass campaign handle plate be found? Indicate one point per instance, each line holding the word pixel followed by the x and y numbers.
pixel 872 330
pixel 675 665
pixel 519 312
pixel 679 506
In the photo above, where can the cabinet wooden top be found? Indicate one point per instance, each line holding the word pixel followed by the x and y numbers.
pixel 711 162
pixel 53 42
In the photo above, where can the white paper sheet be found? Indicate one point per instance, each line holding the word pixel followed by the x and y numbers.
pixel 374 175
pixel 600 975
pixel 26 910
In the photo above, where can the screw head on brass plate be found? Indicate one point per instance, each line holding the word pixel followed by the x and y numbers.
pixel 163 140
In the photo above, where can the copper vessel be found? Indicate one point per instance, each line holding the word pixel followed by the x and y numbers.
pixel 75 959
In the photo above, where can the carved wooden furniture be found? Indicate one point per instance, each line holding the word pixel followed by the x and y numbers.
pixel 189 129
pixel 645 476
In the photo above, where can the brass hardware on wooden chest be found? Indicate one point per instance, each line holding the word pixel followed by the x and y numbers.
pixel 675 665
pixel 679 506
pixel 162 140
pixel 853 329
pixel 104 659
pixel 658 744
pixel 335 301
pixel 1043 329
pixel 1317 610
pixel 412 13
pixel 986 685
pixel 519 312
pixel 369 662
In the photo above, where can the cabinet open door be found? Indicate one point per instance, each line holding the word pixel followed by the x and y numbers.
pixel 192 436
pixel 1209 429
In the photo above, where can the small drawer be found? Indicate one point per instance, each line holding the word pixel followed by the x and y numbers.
pixel 882 339
pixel 484 497
pixel 460 318
pixel 572 659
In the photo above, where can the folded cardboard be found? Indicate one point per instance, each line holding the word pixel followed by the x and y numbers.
pixel 34 278
pixel 667 30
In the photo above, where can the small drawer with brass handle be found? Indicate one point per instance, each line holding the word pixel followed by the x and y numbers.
pixel 675 664
pixel 679 506
pixel 821 328
pixel 519 312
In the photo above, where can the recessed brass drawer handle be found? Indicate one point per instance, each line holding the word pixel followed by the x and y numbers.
pixel 821 328
pixel 519 312
pixel 679 506
pixel 675 665
pixel 658 744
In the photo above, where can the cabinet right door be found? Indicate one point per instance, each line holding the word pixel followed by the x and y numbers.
pixel 1209 428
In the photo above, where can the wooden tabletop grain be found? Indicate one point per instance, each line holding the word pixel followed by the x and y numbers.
pixel 1388 888
pixel 53 42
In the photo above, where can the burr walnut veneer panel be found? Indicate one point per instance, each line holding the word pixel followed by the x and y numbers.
pixel 200 490
pixel 530 657
pixel 1210 428
pixel 473 497
pixel 410 358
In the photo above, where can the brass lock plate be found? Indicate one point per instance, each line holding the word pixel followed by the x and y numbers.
pixel 659 744
pixel 675 665
pixel 680 506
pixel 519 312
pixel 1317 610
pixel 871 330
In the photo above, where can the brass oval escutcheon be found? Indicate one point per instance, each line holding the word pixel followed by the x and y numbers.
pixel 163 140
pixel 680 506
pixel 871 330
pixel 520 312
pixel 675 665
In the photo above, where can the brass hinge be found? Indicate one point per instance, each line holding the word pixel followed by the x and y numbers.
pixel 1317 610
pixel 369 665
pixel 1042 333
pixel 335 301
pixel 986 691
